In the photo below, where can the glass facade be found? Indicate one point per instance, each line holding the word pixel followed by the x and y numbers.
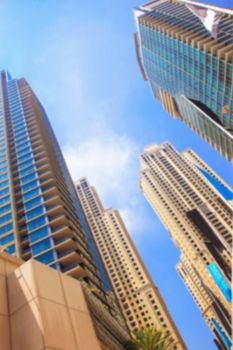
pixel 40 214
pixel 197 79
pixel 221 334
pixel 219 280
pixel 223 190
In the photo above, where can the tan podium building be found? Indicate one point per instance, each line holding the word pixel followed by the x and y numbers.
pixel 43 309
pixel 195 205
pixel 140 300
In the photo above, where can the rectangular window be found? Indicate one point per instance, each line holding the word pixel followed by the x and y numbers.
pixel 4 200
pixel 24 151
pixel 5 209
pixel 11 249
pixel 31 194
pixel 5 218
pixel 28 178
pixel 4 192
pixel 7 239
pixel 47 257
pixel 3 170
pixel 3 177
pixel 41 246
pixel 35 212
pixel 26 163
pixel 24 158
pixel 36 223
pixel 33 203
pixel 38 234
pixel 30 185
pixel 4 184
pixel 27 171
pixel 6 228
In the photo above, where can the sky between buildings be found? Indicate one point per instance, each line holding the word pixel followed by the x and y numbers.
pixel 79 58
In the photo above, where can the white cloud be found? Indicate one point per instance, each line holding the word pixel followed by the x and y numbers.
pixel 108 161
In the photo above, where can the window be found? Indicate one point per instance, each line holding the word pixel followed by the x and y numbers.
pixel 6 228
pixel 7 239
pixel 36 223
pixel 41 246
pixel 31 194
pixel 4 184
pixel 4 192
pixel 38 234
pixel 5 218
pixel 35 212
pixel 34 202
pixel 27 171
pixel 3 177
pixel 5 209
pixel 4 200
pixel 26 164
pixel 28 178
pixel 30 185
pixel 47 257
pixel 11 249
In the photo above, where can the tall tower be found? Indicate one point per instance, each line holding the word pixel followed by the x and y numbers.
pixel 140 300
pixel 40 214
pixel 185 51
pixel 195 205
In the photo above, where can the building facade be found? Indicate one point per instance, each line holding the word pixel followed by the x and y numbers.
pixel 140 300
pixel 189 66
pixel 195 206
pixel 40 214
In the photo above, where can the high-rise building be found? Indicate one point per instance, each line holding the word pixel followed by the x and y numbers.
pixel 195 205
pixel 140 300
pixel 185 51
pixel 40 214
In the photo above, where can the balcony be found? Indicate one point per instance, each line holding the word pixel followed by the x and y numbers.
pixel 74 270
pixel 69 256
pixel 58 219
pixel 61 231
pixel 65 243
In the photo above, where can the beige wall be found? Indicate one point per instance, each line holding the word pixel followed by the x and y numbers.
pixel 42 309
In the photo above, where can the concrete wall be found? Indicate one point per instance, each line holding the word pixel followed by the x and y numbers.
pixel 42 309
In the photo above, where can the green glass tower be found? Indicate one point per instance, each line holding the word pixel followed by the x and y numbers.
pixel 185 51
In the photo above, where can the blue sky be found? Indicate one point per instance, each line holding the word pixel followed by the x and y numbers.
pixel 79 58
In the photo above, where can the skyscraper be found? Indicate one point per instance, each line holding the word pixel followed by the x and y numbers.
pixel 195 206
pixel 140 300
pixel 185 51
pixel 40 214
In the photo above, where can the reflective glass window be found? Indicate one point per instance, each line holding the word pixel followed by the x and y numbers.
pixel 31 194
pixel 5 218
pixel 4 192
pixel 30 185
pixel 36 223
pixel 34 202
pixel 47 257
pixel 7 239
pixel 38 234
pixel 28 178
pixel 6 228
pixel 41 246
pixel 4 200
pixel 11 249
pixel 24 151
pixel 26 164
pixel 5 208
pixel 35 212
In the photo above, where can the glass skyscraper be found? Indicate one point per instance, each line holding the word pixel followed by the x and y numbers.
pixel 189 69
pixel 40 214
